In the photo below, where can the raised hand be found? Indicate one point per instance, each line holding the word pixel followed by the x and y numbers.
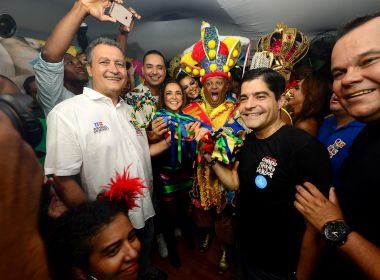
pixel 96 8
pixel 126 29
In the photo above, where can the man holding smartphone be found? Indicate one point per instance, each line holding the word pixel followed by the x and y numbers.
pixel 68 156
pixel 60 75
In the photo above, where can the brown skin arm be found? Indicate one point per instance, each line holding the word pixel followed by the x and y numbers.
pixel 319 210
pixel 311 249
pixel 69 191
pixel 157 148
pixel 229 177
pixel 23 253
pixel 64 32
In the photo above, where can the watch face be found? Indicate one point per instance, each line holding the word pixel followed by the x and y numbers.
pixel 336 232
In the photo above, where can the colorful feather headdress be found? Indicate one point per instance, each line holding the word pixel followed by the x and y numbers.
pixel 123 188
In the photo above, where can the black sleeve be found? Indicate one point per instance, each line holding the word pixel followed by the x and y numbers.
pixel 312 164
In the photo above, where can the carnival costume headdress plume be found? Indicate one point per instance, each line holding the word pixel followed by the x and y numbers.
pixel 123 188
pixel 288 46
pixel 211 56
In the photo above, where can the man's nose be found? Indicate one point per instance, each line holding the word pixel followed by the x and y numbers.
pixel 353 75
pixel 114 68
pixel 250 103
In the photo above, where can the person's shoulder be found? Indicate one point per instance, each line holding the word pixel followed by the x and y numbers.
pixel 295 134
pixel 356 123
pixel 328 119
pixel 70 104
pixel 136 94
pixel 310 125
pixel 140 89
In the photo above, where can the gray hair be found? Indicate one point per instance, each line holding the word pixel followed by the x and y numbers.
pixel 100 41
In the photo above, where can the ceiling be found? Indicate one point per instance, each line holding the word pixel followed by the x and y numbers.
pixel 172 25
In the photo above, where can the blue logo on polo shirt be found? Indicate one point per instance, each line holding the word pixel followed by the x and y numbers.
pixel 100 127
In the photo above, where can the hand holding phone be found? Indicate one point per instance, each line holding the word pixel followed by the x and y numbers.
pixel 123 15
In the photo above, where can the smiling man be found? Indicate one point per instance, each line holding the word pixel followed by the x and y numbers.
pixel 92 135
pixel 154 72
pixel 274 158
pixel 351 226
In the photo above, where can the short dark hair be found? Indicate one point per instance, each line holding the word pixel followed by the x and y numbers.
pixel 70 243
pixel 359 21
pixel 274 80
pixel 100 41
pixel 154 52
pixel 161 101
pixel 26 84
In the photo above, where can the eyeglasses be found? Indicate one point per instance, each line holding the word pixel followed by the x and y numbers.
pixel 185 87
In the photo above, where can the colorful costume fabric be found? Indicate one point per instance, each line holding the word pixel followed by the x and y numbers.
pixel 208 190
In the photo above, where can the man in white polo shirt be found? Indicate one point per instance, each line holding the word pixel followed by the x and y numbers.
pixel 91 135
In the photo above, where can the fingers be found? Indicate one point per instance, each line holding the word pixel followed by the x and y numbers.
pixel 158 123
pixel 193 126
pixel 299 207
pixel 312 189
pixel 333 198
pixel 104 17
pixel 201 132
pixel 137 15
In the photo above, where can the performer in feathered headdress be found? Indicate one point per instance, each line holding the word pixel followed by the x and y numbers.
pixel 211 59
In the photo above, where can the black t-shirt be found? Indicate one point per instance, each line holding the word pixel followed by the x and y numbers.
pixel 359 198
pixel 269 227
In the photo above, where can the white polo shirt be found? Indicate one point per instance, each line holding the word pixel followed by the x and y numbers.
pixel 87 134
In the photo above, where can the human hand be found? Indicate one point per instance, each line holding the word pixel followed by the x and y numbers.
pixel 124 30
pixel 159 128
pixel 201 133
pixel 96 8
pixel 192 129
pixel 316 208
pixel 56 206
pixel 131 71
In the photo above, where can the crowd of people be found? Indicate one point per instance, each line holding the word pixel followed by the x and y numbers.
pixel 277 164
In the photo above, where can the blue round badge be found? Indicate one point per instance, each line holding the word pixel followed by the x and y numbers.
pixel 261 182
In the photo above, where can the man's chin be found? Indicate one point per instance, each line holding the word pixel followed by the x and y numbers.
pixel 154 83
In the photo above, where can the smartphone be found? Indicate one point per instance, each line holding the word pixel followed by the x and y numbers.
pixel 121 14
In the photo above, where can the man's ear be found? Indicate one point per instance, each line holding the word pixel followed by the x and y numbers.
pixel 281 101
pixel 89 70
pixel 79 273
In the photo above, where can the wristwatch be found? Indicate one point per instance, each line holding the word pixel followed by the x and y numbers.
pixel 336 232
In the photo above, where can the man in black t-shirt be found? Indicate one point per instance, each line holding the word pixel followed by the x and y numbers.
pixel 271 235
pixel 352 226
